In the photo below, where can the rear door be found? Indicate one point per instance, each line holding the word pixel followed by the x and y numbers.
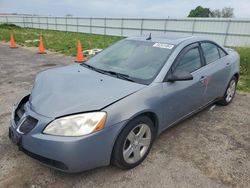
pixel 217 71
pixel 181 98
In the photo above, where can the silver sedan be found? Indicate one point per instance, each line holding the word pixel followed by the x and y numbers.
pixel 111 108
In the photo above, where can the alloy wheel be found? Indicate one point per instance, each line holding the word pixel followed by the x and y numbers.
pixel 231 91
pixel 137 143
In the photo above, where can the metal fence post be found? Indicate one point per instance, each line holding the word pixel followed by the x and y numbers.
pixel 47 20
pixel 122 20
pixel 23 22
pixel 227 32
pixel 56 22
pixel 193 28
pixel 105 25
pixel 165 26
pixel 91 25
pixel 142 25
pixel 39 22
pixel 66 22
pixel 77 24
pixel 7 21
pixel 31 18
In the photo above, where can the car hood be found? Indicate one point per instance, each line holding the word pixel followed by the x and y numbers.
pixel 73 89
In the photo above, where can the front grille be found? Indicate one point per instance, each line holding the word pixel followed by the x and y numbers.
pixel 28 124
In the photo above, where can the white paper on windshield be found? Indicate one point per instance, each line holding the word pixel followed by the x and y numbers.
pixel 162 45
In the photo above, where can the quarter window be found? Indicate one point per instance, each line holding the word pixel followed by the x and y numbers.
pixel 211 52
pixel 222 53
pixel 190 62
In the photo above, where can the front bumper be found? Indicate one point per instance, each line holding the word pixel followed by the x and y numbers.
pixel 71 154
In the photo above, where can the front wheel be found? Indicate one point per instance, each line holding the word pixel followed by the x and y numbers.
pixel 134 142
pixel 229 93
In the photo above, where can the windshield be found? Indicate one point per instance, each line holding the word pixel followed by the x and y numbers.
pixel 141 61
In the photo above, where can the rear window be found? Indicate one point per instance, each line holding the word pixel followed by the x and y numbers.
pixel 211 52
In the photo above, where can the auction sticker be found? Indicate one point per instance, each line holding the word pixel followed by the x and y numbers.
pixel 162 45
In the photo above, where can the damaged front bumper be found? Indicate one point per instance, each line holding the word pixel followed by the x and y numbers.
pixel 70 154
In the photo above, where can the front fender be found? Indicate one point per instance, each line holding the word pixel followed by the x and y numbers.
pixel 144 101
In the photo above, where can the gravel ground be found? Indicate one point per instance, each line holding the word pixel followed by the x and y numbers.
pixel 211 149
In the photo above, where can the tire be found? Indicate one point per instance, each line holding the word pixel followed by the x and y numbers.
pixel 229 93
pixel 128 150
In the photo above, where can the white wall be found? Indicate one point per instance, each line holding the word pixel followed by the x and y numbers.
pixel 228 32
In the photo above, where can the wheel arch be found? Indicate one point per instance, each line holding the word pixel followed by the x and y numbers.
pixel 153 117
pixel 237 75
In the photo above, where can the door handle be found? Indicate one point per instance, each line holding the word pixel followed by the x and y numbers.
pixel 202 78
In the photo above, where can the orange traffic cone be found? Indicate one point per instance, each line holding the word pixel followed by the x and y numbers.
pixel 41 47
pixel 12 41
pixel 80 56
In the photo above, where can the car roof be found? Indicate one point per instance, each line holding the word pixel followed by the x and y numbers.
pixel 174 39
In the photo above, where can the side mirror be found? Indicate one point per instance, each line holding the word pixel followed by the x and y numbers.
pixel 179 76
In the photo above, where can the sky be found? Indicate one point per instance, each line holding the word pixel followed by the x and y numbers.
pixel 120 8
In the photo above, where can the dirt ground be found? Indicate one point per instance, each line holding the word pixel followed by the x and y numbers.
pixel 211 149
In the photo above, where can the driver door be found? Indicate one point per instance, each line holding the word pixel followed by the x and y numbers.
pixel 181 98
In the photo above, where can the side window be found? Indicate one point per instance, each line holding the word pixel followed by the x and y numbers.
pixel 211 52
pixel 190 62
pixel 222 53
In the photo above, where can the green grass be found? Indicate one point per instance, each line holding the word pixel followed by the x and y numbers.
pixel 244 83
pixel 59 41
pixel 65 42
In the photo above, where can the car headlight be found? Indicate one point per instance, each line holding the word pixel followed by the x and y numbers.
pixel 77 125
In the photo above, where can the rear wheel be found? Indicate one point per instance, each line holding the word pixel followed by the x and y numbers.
pixel 229 93
pixel 134 142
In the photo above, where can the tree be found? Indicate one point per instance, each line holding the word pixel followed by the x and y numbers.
pixel 216 13
pixel 226 12
pixel 200 12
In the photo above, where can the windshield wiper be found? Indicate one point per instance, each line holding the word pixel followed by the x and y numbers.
pixel 93 68
pixel 120 75
pixel 117 74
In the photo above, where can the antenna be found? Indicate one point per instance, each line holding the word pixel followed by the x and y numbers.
pixel 149 37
